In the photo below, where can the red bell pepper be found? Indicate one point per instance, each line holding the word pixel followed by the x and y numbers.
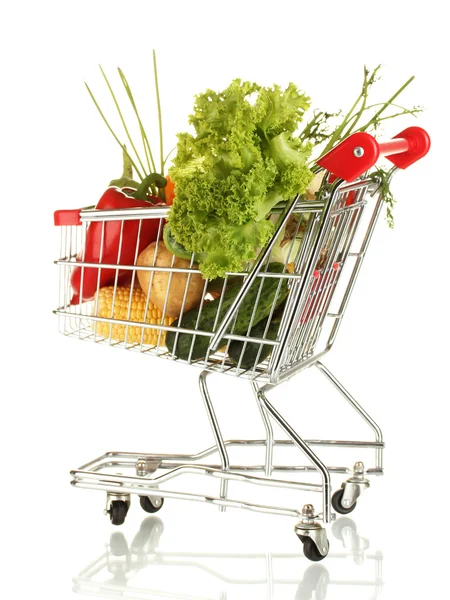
pixel 86 280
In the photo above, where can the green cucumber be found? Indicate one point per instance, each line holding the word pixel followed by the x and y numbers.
pixel 252 349
pixel 180 344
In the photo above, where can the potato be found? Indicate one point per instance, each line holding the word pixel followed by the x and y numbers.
pixel 314 186
pixel 160 281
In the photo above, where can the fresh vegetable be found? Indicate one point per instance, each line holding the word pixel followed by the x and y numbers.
pixel 170 191
pixel 126 181
pixel 372 114
pixel 314 186
pixel 169 290
pixel 120 306
pixel 362 116
pixel 254 351
pixel 140 166
pixel 386 193
pixel 173 246
pixel 209 315
pixel 111 242
pixel 286 251
pixel 242 160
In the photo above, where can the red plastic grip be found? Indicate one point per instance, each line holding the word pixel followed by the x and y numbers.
pixel 418 142
pixel 360 151
pixel 67 217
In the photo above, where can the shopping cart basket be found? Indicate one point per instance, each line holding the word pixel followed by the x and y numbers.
pixel 299 328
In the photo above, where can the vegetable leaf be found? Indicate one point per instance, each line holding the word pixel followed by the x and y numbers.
pixel 242 160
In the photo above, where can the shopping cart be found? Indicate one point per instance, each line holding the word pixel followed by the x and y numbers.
pixel 317 275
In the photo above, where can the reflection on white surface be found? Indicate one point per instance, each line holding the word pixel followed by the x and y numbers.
pixel 137 570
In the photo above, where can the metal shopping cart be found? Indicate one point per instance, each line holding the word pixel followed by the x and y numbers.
pixel 335 230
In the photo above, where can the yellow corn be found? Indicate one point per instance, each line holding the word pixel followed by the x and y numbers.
pixel 124 312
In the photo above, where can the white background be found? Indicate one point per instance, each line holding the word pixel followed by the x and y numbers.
pixel 64 402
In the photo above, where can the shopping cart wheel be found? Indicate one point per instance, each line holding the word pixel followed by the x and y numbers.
pixel 118 511
pixel 336 502
pixel 312 535
pixel 310 549
pixel 151 505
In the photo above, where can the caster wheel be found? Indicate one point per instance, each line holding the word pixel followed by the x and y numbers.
pixel 118 511
pixel 310 549
pixel 336 503
pixel 148 504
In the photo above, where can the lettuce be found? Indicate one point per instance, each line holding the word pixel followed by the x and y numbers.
pixel 241 161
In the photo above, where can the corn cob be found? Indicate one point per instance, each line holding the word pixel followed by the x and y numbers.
pixel 124 312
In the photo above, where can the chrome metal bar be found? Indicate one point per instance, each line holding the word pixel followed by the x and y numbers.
pixel 269 432
pixel 169 464
pixel 288 323
pixel 164 327
pixel 133 456
pixel 261 468
pixel 287 512
pixel 126 214
pixel 160 212
pixel 294 314
pixel 349 187
pixel 296 368
pixel 356 270
pixel 320 467
pixel 301 206
pixel 149 482
pixel 105 459
pixel 348 225
pixel 98 462
pixel 188 270
pixel 367 418
pixel 251 277
pixel 216 432
pixel 298 287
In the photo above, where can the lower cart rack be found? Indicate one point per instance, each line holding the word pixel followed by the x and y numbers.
pixel 152 473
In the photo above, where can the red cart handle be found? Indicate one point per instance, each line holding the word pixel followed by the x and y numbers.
pixel 67 217
pixel 360 151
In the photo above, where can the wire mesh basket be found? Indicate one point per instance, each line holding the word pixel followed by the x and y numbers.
pixel 294 319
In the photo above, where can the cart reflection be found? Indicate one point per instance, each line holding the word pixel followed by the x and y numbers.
pixel 118 571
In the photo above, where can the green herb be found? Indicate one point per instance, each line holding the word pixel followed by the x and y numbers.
pixel 372 116
pixel 127 174
pixel 145 142
pixel 141 171
pixel 384 177
pixel 318 131
pixel 158 102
